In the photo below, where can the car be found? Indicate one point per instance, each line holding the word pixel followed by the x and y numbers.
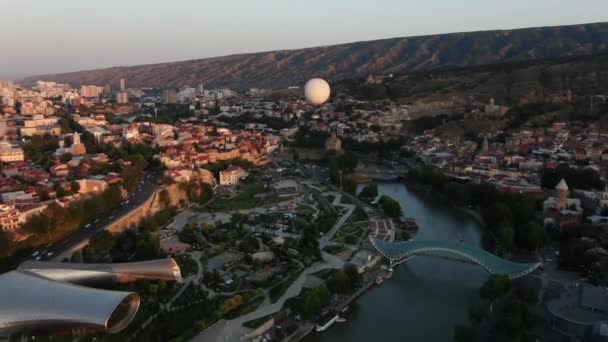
pixel 38 258
pixel 87 225
pixel 96 220
pixel 35 253
pixel 49 254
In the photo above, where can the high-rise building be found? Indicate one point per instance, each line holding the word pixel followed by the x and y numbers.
pixel 169 96
pixel 8 84
pixel 200 89
pixel 90 90
pixel 122 97
pixel 122 84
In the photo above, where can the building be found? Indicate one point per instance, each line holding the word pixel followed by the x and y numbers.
pixel 10 154
pixel 560 210
pixel 122 85
pixel 169 96
pixel 232 175
pixel 122 97
pixel 90 90
pixel 333 143
pixel 186 95
pixel 580 311
pixel 285 188
pixel 91 186
pixel 9 217
pixel 77 148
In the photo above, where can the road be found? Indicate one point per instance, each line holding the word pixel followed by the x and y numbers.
pixel 139 196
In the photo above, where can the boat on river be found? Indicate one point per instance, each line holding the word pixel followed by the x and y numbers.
pixel 379 280
pixel 326 321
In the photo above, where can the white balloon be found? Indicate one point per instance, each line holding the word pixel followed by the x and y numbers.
pixel 316 91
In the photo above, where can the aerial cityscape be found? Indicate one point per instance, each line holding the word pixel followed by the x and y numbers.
pixel 290 185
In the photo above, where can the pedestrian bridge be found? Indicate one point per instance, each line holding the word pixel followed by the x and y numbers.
pixel 398 252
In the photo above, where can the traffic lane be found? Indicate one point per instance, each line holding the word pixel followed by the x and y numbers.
pixel 135 199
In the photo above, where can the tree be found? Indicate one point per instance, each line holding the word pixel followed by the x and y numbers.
pixel 164 198
pixel 498 213
pixel 390 207
pixel 354 276
pixel 458 193
pixel 66 157
pixel 506 236
pixel 340 283
pixel 464 333
pixel 534 236
pixel 495 287
pixel 311 303
pixel 370 191
pixel 74 187
pixel 5 239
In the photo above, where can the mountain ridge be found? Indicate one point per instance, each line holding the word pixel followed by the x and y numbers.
pixel 282 68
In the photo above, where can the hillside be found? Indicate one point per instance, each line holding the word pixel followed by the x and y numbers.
pixel 512 84
pixel 346 61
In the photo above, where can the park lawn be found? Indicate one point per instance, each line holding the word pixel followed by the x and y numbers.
pixel 245 198
pixel 275 200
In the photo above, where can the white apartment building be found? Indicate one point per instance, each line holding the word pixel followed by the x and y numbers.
pixel 232 175
pixel 10 154
pixel 90 90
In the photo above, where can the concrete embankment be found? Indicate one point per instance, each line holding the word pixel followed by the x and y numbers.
pixel 132 218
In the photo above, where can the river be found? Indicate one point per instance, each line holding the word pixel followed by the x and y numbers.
pixel 426 297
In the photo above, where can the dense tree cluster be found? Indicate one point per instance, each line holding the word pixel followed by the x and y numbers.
pixel 495 287
pixel 390 207
pixel 512 218
pixel 140 243
pixel 369 191
pixel 513 316
pixel 167 114
pixel 344 281
pixel 583 178
pixel 39 149
pixel 308 138
pixel 312 302
pixel 222 165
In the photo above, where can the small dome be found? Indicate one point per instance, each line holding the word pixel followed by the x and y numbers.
pixel 561 185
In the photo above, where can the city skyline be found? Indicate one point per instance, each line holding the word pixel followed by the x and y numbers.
pixel 91 36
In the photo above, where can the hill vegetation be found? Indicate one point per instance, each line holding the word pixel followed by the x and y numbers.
pixel 279 69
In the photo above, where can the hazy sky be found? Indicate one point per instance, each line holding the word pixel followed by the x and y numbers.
pixel 44 36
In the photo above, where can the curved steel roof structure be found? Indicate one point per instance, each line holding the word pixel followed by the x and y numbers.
pixel 49 296
pixel 96 274
pixel 29 301
pixel 397 251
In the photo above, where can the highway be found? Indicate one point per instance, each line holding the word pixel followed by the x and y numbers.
pixel 144 190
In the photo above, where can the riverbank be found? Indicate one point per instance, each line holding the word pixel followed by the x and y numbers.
pixel 429 295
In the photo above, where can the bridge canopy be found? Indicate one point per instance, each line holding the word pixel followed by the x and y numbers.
pixel 396 251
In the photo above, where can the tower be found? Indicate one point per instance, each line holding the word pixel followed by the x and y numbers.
pixel 122 84
pixel 76 138
pixel 485 146
pixel 561 195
